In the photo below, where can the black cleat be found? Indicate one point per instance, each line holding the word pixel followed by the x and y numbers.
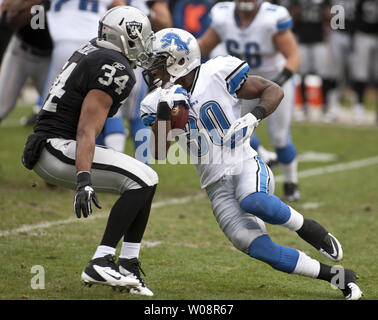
pixel 131 267
pixel 291 192
pixel 316 235
pixel 104 271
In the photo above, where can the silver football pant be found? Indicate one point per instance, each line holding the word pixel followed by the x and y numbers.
pixel 240 227
pixel 112 171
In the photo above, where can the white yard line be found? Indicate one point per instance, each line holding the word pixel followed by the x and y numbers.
pixel 48 224
pixel 302 174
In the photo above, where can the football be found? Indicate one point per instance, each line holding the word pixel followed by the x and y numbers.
pixel 179 116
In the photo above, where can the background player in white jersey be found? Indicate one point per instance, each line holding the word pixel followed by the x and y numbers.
pixel 92 86
pixel 241 190
pixel 260 33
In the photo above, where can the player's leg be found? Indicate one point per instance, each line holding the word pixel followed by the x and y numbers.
pixel 360 70
pixel 128 261
pixel 13 74
pixel 278 124
pixel 248 234
pixel 111 172
pixel 254 191
pixel 294 261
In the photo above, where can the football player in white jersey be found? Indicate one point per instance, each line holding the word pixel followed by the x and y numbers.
pixel 259 33
pixel 240 190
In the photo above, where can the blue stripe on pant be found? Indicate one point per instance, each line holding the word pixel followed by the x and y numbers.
pixel 263 175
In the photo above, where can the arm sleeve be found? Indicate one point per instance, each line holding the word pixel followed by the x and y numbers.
pixel 284 20
pixel 233 72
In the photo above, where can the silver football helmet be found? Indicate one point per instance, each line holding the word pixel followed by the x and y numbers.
pixel 176 49
pixel 128 29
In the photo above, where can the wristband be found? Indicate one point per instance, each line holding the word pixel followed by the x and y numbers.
pixel 163 111
pixel 83 179
pixel 259 112
pixel 283 76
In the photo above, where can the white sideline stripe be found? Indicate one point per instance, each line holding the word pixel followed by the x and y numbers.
pixel 302 174
pixel 48 224
pixel 334 168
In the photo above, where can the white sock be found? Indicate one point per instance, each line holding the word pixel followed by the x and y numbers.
pixel 102 251
pixel 130 250
pixel 116 141
pixel 295 221
pixel 290 171
pixel 307 266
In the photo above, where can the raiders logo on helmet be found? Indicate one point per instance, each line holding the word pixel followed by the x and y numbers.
pixel 131 28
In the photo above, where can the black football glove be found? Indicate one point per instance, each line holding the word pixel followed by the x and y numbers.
pixel 85 194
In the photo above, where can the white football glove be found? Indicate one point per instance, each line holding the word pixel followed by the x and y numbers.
pixel 174 96
pixel 247 123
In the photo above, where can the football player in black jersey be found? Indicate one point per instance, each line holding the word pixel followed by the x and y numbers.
pixel 92 86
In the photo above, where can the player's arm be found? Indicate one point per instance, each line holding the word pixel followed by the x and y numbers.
pixel 209 40
pixel 160 16
pixel 286 43
pixel 94 111
pixel 18 14
pixel 269 93
pixel 161 142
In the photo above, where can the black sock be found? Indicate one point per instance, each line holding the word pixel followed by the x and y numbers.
pixel 135 231
pixel 325 272
pixel 123 214
pixel 312 232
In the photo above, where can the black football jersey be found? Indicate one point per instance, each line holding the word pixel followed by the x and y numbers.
pixel 90 67
pixel 367 16
pixel 309 27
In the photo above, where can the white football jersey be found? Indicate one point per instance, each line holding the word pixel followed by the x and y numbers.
pixel 75 19
pixel 214 107
pixel 253 43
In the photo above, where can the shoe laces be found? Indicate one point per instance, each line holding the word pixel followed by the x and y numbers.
pixel 111 261
pixel 134 266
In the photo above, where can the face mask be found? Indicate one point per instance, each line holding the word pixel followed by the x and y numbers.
pixel 246 6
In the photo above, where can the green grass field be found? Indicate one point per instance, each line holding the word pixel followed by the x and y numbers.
pixel 185 254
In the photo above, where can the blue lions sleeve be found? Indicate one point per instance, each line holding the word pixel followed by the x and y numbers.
pixel 232 71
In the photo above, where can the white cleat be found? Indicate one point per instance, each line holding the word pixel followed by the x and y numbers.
pixel 353 292
pixel 331 248
pixel 104 271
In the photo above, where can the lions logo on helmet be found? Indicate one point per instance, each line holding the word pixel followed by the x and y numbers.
pixel 174 38
pixel 176 49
